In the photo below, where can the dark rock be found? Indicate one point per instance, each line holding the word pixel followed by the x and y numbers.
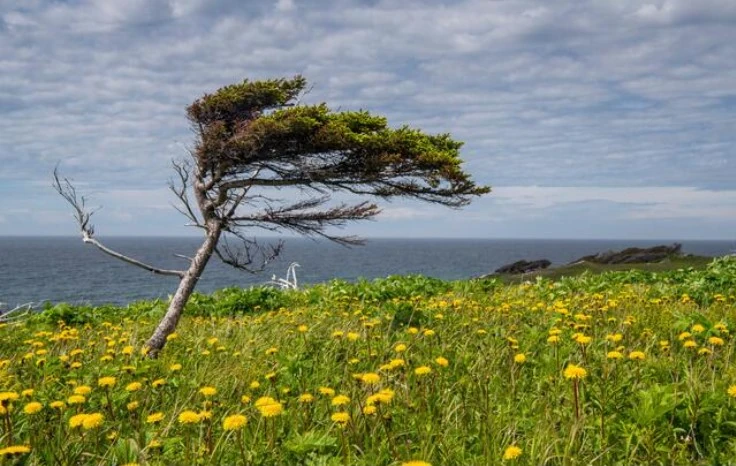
pixel 633 255
pixel 524 266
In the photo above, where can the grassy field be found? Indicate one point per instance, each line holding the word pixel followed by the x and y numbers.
pixel 633 367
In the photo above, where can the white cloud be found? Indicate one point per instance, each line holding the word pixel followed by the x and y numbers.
pixel 640 202
pixel 584 94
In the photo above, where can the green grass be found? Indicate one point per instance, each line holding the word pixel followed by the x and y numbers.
pixel 466 371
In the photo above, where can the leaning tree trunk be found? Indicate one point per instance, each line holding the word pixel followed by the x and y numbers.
pixel 186 286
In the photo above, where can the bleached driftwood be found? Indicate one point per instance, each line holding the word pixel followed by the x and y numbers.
pixel 288 283
pixel 17 314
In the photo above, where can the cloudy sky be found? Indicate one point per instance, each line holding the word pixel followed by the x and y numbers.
pixel 590 119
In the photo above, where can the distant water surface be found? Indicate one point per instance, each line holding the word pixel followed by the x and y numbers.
pixel 64 269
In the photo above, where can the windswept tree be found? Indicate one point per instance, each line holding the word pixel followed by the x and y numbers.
pixel 255 142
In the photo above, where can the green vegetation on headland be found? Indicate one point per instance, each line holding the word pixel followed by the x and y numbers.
pixel 622 367
pixel 670 264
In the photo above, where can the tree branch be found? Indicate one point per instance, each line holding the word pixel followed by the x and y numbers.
pixel 65 188
pixel 182 169
pixel 241 258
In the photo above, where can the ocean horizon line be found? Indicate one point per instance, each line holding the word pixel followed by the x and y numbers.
pixel 368 238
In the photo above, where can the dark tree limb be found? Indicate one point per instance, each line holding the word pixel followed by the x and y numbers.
pixel 248 253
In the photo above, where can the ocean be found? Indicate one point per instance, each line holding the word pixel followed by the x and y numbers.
pixel 63 269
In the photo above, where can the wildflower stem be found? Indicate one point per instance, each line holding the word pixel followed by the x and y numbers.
pixel 241 447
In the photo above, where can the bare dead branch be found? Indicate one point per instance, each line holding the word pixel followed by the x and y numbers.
pixel 67 190
pixel 181 191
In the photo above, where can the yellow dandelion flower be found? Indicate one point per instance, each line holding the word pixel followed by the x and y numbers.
pixel 520 358
pixel 400 348
pixel 302 328
pixel 415 463
pixel 245 399
pixel 341 418
pixel 553 339
pixel 429 333
pixel 697 328
pixel 272 350
pixel 369 409
pixel 338 334
pixel 154 418
pixel 370 378
pixel 684 335
pixel 382 397
pixel 175 367
pixel 76 420
pixel 306 398
pixel 234 422
pixel 189 417
pixel 92 421
pixel 27 393
pixel 352 336
pixel 614 355
pixel 15 450
pixel 32 407
pixel 154 444
pixel 158 383
pixel 254 385
pixel 327 391
pixel 573 371
pixel 512 452
pixel 396 363
pixel 690 344
pixel 133 387
pixel 132 406
pixel 703 351
pixel 582 339
pixel 637 356
pixel 340 400
pixel 76 400
pixel 57 405
pixel 82 390
pixel 423 370
pixel 732 391
pixel 208 391
pixel 716 341
pixel 269 407
pixel 6 397
pixel 442 362
pixel 106 382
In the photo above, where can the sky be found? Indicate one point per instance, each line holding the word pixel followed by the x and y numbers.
pixel 589 119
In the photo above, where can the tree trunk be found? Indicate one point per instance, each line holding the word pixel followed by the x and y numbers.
pixel 186 286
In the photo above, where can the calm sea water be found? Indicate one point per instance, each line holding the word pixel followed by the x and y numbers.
pixel 64 269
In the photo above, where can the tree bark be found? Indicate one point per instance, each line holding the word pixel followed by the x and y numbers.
pixel 186 286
